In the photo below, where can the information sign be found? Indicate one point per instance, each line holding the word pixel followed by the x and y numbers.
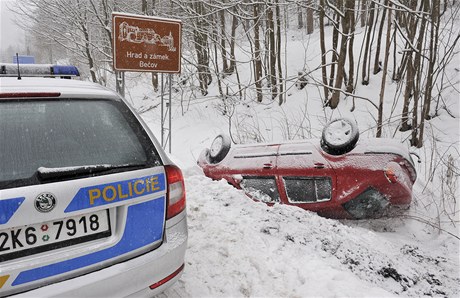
pixel 144 43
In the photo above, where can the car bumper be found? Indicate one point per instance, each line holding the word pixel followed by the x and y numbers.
pixel 132 277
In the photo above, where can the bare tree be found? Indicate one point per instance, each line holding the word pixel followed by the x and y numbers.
pixel 257 56
pixel 377 62
pixel 350 11
pixel 272 50
pixel 278 51
pixel 310 20
pixel 335 98
pixel 384 75
pixel 323 50
pixel 370 24
pixel 200 35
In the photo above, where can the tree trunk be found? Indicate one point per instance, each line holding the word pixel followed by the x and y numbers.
pixel 434 35
pixel 384 75
pixel 272 50
pixel 408 93
pixel 299 17
pixel 201 45
pixel 377 62
pixel 278 50
pixel 89 55
pixel 154 74
pixel 217 71
pixel 364 12
pixel 365 74
pixel 335 98
pixel 310 20
pixel 350 10
pixel 323 50
pixel 418 65
pixel 223 45
pixel 410 25
pixel 231 68
pixel 335 41
pixel 257 58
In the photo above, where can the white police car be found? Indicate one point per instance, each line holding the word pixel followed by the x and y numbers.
pixel 90 205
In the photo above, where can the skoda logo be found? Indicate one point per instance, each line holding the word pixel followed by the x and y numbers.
pixel 45 202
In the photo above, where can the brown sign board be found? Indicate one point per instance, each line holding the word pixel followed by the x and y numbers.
pixel 144 43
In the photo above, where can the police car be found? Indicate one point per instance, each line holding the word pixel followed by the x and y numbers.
pixel 90 205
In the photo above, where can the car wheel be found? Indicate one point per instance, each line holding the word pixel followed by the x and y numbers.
pixel 219 148
pixel 339 136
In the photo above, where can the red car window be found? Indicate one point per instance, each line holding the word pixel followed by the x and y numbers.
pixel 308 189
pixel 261 188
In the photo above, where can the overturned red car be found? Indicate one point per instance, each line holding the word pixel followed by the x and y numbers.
pixel 338 176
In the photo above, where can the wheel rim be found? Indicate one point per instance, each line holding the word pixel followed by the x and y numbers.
pixel 216 146
pixel 338 133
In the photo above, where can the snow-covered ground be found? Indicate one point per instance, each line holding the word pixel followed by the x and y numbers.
pixel 241 248
pixel 238 247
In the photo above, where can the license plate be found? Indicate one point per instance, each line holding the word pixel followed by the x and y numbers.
pixel 27 240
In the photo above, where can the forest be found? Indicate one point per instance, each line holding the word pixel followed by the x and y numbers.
pixel 415 39
pixel 410 44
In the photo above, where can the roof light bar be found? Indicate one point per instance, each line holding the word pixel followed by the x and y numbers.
pixel 65 70
pixel 38 70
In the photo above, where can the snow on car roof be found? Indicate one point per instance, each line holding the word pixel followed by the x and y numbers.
pixel 67 87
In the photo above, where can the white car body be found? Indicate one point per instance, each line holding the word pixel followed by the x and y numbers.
pixel 139 250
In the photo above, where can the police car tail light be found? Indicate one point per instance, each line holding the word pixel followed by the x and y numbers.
pixel 176 191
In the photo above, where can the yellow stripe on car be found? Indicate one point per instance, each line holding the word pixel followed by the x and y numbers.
pixel 3 280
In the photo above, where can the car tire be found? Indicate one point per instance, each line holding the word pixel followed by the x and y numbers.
pixel 339 136
pixel 219 148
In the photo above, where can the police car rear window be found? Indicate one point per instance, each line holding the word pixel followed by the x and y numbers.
pixel 68 133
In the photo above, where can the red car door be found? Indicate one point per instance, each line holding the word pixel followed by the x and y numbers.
pixel 306 178
pixel 253 168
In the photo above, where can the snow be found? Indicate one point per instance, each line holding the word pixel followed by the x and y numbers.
pixel 241 248
pixel 238 247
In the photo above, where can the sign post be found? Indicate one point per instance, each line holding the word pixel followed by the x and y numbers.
pixel 148 44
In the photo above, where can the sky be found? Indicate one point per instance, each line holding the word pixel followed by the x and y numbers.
pixel 10 33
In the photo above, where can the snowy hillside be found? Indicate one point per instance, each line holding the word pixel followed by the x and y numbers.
pixel 238 247
pixel 241 248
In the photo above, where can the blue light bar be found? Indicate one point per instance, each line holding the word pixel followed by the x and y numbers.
pixel 38 70
pixel 67 70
